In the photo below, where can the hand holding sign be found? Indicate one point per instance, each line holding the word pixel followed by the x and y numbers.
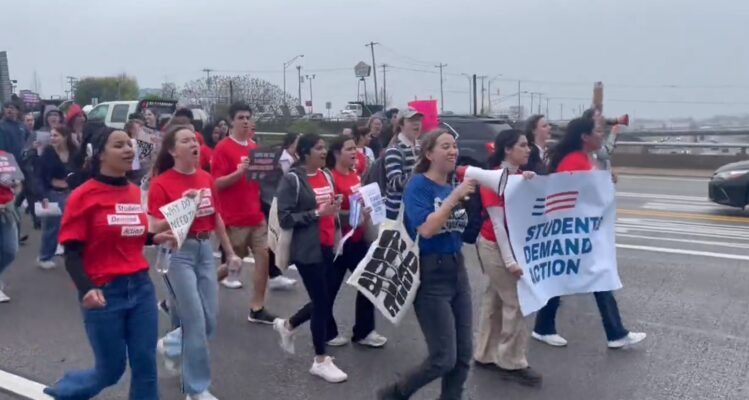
pixel 180 215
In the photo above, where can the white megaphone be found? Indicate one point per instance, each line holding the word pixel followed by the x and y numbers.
pixel 494 179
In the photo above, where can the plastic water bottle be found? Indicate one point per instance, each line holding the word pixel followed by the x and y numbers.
pixel 163 258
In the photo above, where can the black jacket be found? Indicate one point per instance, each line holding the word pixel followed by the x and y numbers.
pixel 535 163
pixel 298 213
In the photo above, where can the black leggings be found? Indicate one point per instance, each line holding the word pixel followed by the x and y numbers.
pixel 319 309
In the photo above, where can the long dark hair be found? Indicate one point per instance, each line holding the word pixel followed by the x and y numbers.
pixel 208 135
pixel 359 134
pixel 99 144
pixel 288 140
pixel 530 125
pixel 506 139
pixel 67 134
pixel 428 142
pixel 335 146
pixel 165 160
pixel 305 145
pixel 571 142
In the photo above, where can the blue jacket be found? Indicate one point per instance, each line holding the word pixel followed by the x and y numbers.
pixel 12 137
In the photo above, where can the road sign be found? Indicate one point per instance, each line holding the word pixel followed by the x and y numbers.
pixel 328 105
pixel 362 70
pixel 308 103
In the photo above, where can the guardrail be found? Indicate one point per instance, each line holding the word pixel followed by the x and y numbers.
pixel 667 155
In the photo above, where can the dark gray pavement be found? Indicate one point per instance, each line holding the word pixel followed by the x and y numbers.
pixel 685 267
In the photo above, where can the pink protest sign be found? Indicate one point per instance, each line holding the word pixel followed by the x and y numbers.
pixel 429 109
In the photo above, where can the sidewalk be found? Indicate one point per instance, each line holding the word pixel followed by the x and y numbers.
pixel 687 173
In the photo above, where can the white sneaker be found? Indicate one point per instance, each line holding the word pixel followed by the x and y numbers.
pixel 60 250
pixel 552 340
pixel 328 371
pixel 374 339
pixel 338 341
pixel 287 335
pixel 46 265
pixel 231 283
pixel 249 260
pixel 292 267
pixel 631 338
pixel 4 297
pixel 281 283
pixel 202 396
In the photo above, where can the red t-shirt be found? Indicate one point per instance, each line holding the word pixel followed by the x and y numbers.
pixel 324 194
pixel 577 161
pixel 361 162
pixel 206 153
pixel 111 222
pixel 6 193
pixel 491 199
pixel 347 185
pixel 239 203
pixel 172 185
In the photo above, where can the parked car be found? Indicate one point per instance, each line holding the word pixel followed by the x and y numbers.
pixel 730 185
pixel 114 114
pixel 475 136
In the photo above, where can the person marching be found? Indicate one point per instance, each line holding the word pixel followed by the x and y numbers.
pixel 341 160
pixel 574 153
pixel 104 229
pixel 192 272
pixel 502 340
pixel 433 212
pixel 306 204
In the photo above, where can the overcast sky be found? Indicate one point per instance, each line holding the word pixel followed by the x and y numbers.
pixel 657 58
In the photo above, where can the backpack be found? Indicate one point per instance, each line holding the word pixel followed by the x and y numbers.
pixel 377 172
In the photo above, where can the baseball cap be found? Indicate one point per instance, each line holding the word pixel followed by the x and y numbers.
pixel 408 113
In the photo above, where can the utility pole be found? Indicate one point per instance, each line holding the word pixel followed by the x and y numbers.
pixel 207 74
pixel 520 105
pixel 286 65
pixel 547 107
pixel 371 46
pixel 475 98
pixel 310 78
pixel 72 81
pixel 470 88
pixel 442 92
pixel 483 91
pixel 561 112
pixel 531 110
pixel 384 87
pixel 299 81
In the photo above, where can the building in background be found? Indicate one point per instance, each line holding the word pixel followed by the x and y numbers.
pixel 6 87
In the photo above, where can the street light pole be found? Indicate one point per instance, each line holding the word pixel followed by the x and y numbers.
pixel 286 65
pixel 310 78
pixel 299 82
pixel 371 45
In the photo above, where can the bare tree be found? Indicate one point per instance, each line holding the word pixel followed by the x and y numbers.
pixel 169 90
pixel 221 90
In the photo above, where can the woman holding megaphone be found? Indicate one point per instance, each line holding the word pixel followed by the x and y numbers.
pixel 434 213
pixel 574 153
pixel 502 340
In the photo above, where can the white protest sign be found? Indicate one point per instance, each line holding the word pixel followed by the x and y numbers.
pixel 389 274
pixel 562 233
pixel 180 215
pixel 373 199
pixel 353 221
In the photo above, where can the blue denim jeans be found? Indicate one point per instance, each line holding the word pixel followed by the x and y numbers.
pixel 51 226
pixel 192 278
pixel 8 240
pixel 443 308
pixel 126 329
pixel 612 320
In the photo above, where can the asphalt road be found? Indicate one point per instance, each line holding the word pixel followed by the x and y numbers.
pixel 685 267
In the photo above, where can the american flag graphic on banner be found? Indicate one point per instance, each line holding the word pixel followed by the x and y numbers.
pixel 556 202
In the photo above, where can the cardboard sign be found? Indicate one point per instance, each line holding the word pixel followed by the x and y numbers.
pixel 264 164
pixel 10 172
pixel 180 215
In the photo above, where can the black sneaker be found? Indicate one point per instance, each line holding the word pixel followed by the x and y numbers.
pixel 261 317
pixel 527 376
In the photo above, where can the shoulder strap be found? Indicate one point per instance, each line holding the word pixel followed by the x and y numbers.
pixel 298 184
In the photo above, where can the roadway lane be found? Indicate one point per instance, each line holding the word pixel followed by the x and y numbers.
pixel 693 307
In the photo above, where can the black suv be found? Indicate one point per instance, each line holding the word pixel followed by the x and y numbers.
pixel 475 136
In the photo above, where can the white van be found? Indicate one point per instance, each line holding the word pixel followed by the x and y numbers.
pixel 114 114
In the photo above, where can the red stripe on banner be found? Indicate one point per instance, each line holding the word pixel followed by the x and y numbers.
pixel 565 200
pixel 553 196
pixel 560 208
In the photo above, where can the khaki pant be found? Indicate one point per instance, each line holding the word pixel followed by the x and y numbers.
pixel 245 238
pixel 503 335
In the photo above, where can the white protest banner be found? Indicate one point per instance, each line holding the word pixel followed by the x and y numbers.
pixel 373 199
pixel 562 233
pixel 353 221
pixel 180 215
pixel 389 274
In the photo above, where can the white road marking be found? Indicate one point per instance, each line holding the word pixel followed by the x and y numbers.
pixel 683 252
pixel 690 241
pixel 21 386
pixel 659 196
